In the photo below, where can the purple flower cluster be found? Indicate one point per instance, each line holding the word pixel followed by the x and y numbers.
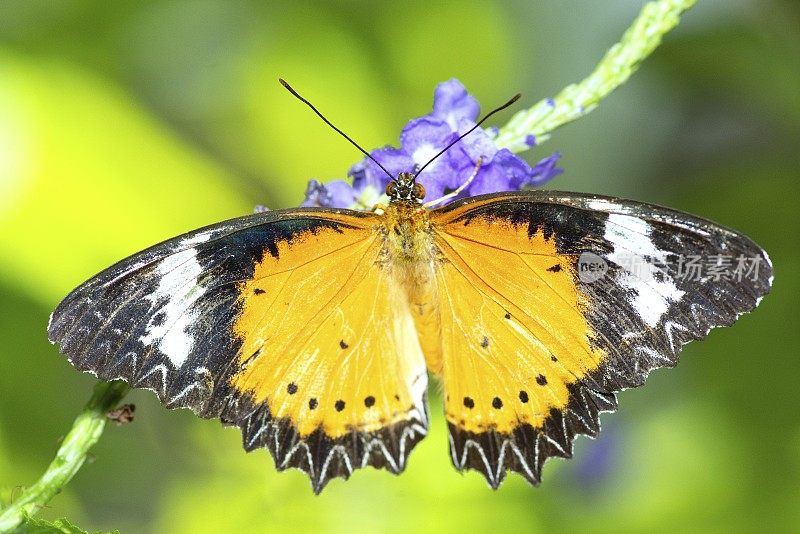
pixel 454 112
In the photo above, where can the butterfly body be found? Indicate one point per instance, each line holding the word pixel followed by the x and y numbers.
pixel 412 256
pixel 313 330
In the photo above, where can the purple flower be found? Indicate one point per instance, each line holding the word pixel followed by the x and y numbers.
pixel 452 102
pixel 338 194
pixel 454 112
pixel 544 171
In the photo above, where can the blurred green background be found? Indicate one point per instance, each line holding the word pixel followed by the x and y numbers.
pixel 122 124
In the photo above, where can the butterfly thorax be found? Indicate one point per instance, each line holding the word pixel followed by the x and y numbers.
pixel 408 233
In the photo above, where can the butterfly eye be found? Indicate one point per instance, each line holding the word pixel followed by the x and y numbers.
pixel 390 188
pixel 419 191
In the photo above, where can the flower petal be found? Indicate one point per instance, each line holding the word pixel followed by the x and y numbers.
pixel 544 171
pixel 452 102
pixel 395 160
pixel 516 169
pixel 335 194
pixel 439 177
pixel 491 178
pixel 366 173
pixel 423 138
pixel 343 195
pixel 477 143
pixel 316 195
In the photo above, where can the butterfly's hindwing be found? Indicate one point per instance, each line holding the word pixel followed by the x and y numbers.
pixel 514 265
pixel 216 320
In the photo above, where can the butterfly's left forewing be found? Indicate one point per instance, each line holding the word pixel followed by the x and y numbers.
pixel 285 324
pixel 552 302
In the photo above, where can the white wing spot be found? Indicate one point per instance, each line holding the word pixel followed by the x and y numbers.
pixel 642 264
pixel 196 239
pixel 178 287
pixel 602 204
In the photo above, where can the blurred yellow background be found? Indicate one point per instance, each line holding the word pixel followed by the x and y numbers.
pixel 122 124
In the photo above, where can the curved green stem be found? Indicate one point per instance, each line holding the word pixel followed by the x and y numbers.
pixel 576 100
pixel 85 431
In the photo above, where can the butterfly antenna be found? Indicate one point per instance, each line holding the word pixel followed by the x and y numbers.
pixel 329 123
pixel 462 136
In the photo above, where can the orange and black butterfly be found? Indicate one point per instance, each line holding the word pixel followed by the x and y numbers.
pixel 315 329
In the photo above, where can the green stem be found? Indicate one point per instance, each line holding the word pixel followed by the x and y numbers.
pixel 576 100
pixel 85 431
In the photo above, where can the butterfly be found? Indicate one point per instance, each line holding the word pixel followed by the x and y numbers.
pixel 315 330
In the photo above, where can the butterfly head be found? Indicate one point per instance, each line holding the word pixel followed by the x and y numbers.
pixel 405 188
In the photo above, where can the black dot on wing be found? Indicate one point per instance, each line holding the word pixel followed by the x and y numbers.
pixel 555 268
pixel 469 403
pixel 339 405
pixel 553 358
pixel 396 397
pixel 523 396
pixel 312 404
pixel 369 402
pixel 258 291
pixel 343 344
pixel 485 342
pixel 291 388
pixel 541 380
pixel 507 315
pixel 497 403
